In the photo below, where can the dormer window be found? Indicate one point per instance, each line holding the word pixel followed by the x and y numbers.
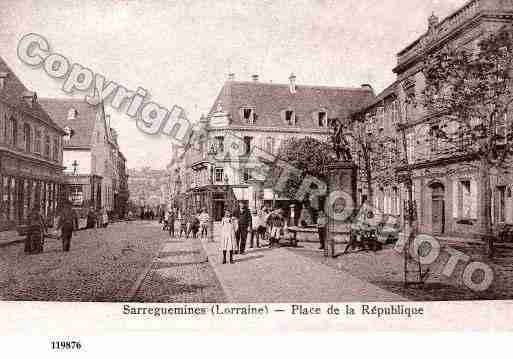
pixel 72 114
pixel 289 117
pixel 248 115
pixel 322 119
pixel 3 79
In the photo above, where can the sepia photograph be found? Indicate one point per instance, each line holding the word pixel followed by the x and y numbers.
pixel 265 152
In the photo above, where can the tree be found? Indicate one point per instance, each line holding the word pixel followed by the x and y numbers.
pixel 307 156
pixel 471 93
pixel 368 147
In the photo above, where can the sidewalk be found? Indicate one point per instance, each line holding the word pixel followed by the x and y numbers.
pixel 281 276
pixel 10 237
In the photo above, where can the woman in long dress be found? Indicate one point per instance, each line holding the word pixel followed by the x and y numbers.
pixel 228 238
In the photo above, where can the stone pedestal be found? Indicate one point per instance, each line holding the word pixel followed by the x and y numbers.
pixel 340 203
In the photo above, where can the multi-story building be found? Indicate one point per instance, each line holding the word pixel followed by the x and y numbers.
pixel 148 187
pixel 87 151
pixel 120 179
pixel 30 153
pixel 447 189
pixel 251 114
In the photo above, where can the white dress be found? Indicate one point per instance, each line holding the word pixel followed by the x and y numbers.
pixel 228 228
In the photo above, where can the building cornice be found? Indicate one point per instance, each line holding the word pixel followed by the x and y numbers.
pixel 31 158
pixel 321 131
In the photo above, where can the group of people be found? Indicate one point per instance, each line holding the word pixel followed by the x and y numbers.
pixel 37 229
pixel 99 219
pixel 188 225
pixel 236 227
pixel 260 225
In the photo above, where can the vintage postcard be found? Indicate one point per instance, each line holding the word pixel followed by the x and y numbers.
pixel 263 165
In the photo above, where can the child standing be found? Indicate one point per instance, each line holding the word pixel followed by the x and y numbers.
pixel 228 238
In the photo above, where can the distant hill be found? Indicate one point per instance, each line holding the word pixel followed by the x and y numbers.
pixel 148 186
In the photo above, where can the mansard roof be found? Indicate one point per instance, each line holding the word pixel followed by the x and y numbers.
pixel 269 100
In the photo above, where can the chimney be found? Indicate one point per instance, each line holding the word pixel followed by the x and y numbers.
pixel 432 23
pixel 3 79
pixel 255 78
pixel 29 97
pixel 231 76
pixel 367 87
pixel 292 79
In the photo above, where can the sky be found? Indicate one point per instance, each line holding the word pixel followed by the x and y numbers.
pixel 182 51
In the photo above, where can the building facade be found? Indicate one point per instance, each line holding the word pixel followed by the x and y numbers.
pixel 447 189
pixel 87 152
pixel 30 153
pixel 250 117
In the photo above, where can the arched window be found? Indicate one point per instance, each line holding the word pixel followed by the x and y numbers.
pixel 27 137
pixel 14 131
pixel 47 146
pixel 269 144
pixel 37 141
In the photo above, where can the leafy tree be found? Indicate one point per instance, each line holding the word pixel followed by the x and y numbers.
pixel 307 156
pixel 471 92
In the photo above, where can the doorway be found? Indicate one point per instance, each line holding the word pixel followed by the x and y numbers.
pixel 438 208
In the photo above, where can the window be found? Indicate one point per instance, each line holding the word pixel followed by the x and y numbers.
pixel 395 112
pixel 37 142
pixel 27 137
pixel 434 139
pixel 465 199
pixel 76 196
pixel 14 131
pixel 246 175
pixel 56 149
pixel 247 145
pixel 500 204
pixel 248 115
pixel 322 119
pixel 380 118
pixel 269 144
pixel 500 130
pixel 219 144
pixel 289 117
pixel 219 175
pixel 410 140
pixel 47 146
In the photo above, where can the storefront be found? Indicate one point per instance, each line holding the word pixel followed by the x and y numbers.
pixel 84 190
pixel 24 184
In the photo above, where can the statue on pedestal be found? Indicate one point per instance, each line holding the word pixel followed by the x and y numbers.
pixel 340 144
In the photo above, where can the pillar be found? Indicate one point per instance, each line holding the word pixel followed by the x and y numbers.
pixel 341 200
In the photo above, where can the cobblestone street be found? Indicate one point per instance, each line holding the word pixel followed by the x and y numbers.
pixel 103 265
pixel 138 262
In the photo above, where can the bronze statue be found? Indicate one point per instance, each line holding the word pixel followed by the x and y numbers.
pixel 340 144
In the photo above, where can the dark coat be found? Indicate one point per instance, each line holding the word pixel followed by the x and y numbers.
pixel 245 218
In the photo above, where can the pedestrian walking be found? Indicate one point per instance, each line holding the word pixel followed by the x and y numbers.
pixel 322 228
pixel 66 220
pixel 275 222
pixel 171 223
pixel 183 225
pixel 244 227
pixel 204 220
pixel 255 224
pixel 91 218
pixel 34 240
pixel 228 238
pixel 195 225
